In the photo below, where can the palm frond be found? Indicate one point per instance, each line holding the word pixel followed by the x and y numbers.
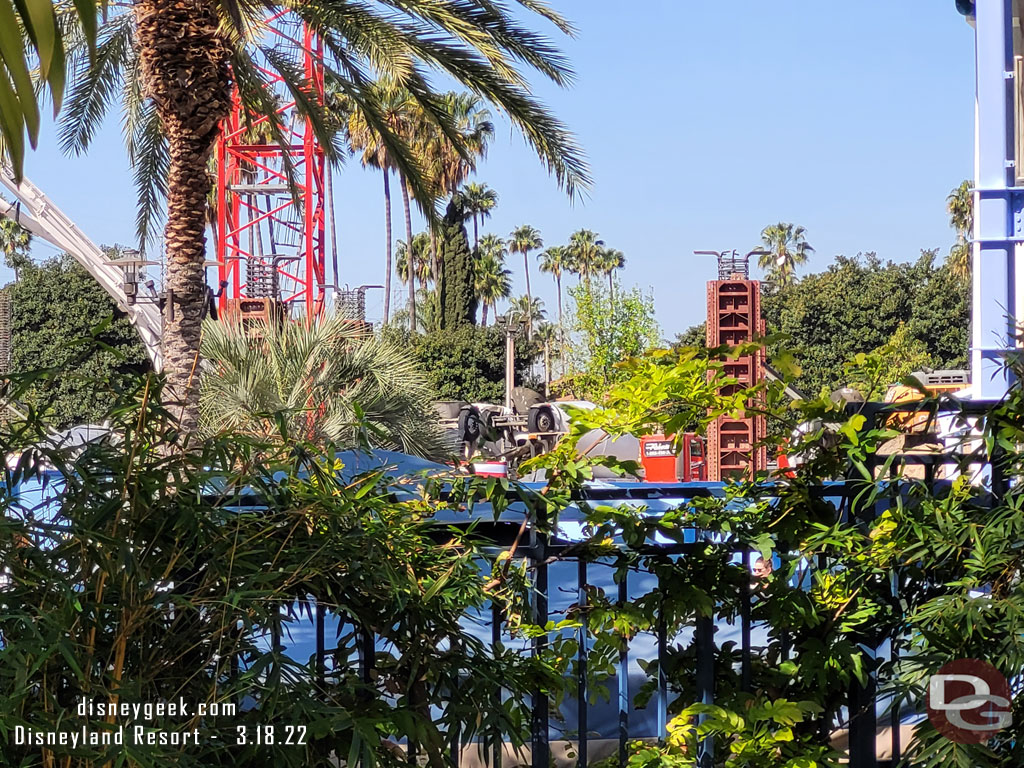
pixel 150 158
pixel 96 81
pixel 317 378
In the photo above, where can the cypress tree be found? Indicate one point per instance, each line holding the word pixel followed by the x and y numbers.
pixel 457 294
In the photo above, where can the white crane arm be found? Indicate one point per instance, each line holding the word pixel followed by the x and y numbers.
pixel 42 218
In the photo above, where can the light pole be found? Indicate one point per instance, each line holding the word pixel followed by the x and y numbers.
pixel 511 327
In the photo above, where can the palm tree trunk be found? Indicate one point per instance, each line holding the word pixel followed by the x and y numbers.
pixel 476 236
pixel 561 326
pixel 611 289
pixel 483 317
pixel 387 252
pixel 410 259
pixel 529 297
pixel 184 68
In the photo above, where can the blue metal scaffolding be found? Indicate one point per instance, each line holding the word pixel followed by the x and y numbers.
pixel 998 202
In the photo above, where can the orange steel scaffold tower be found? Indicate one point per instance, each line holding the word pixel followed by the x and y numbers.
pixel 271 242
pixel 734 318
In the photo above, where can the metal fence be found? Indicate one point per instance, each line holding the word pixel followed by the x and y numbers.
pixel 866 710
pixel 558 570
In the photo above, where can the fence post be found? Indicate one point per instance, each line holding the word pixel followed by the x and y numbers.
pixel 704 636
pixel 623 675
pixel 581 663
pixel 745 681
pixel 540 715
pixel 863 720
pixel 495 640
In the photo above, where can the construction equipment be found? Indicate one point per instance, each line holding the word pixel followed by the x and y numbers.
pixel 271 197
pixel 735 447
pixel 39 215
pixel 665 462
pixel 933 384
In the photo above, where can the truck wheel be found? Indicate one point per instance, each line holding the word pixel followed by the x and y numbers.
pixel 469 424
pixel 542 419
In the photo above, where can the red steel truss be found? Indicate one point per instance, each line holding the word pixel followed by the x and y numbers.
pixel 734 317
pixel 270 237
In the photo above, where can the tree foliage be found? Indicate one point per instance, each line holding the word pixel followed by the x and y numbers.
pixel 469 363
pixel 150 590
pixel 608 328
pixel 330 382
pixel 457 289
pixel 62 320
pixel 785 248
pixel 858 304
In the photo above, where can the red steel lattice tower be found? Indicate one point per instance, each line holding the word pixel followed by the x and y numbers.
pixel 270 237
pixel 734 318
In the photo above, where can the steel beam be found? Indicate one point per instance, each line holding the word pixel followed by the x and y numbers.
pixel 997 205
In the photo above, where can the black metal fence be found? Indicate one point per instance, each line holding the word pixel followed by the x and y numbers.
pixel 558 571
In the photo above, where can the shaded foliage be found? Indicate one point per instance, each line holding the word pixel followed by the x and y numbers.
pixel 148 589
pixel 469 363
pixel 457 288
pixel 62 320
pixel 856 306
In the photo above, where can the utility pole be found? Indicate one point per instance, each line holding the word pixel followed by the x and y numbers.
pixel 511 328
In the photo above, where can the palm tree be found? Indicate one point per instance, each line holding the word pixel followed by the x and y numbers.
pixel 328 381
pixel 176 65
pixel 609 261
pixel 397 107
pixel 479 200
pixel 555 261
pixel 523 240
pixel 14 244
pixel 449 164
pixel 785 248
pixel 420 259
pixel 492 245
pixel 549 337
pixel 585 249
pixel 492 280
pixel 960 205
pixel 529 310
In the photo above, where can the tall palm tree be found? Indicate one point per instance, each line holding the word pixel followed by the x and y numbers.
pixel 523 240
pixel 397 108
pixel 960 205
pixel 14 244
pixel 480 200
pixel 555 261
pixel 529 310
pixel 785 248
pixel 420 259
pixel 328 381
pixel 175 65
pixel 448 163
pixel 492 280
pixel 609 261
pixel 585 248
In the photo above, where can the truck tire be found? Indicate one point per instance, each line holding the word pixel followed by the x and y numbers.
pixel 470 424
pixel 542 419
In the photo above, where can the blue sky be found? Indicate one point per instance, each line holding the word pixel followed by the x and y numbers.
pixel 703 123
